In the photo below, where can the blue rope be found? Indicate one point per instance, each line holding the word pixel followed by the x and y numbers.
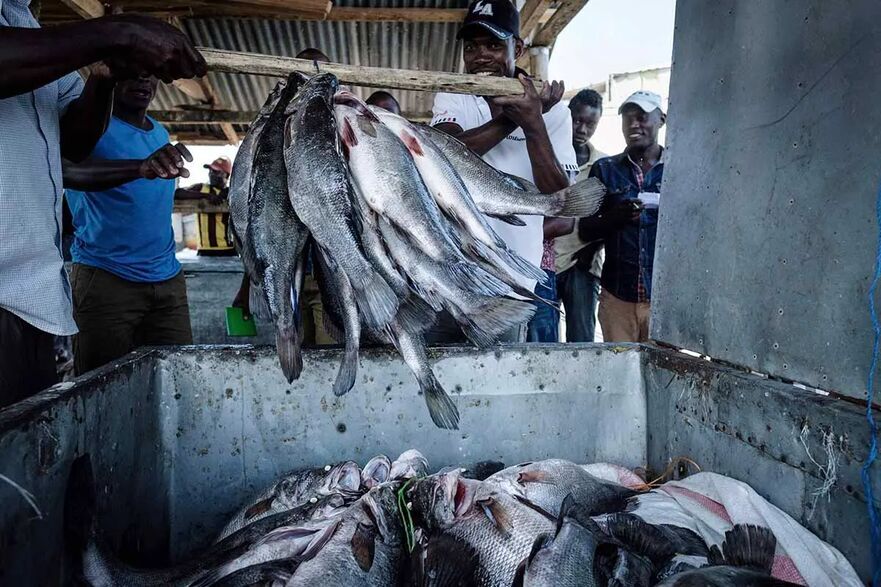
pixel 870 417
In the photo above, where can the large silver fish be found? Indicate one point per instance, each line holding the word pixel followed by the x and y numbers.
pixel 275 236
pixel 547 483
pixel 482 318
pixel 295 489
pixel 565 559
pixel 366 549
pixel 451 195
pixel 322 196
pixel 498 193
pixel 498 527
pixel 386 177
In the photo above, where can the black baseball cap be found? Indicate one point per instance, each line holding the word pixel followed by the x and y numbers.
pixel 499 17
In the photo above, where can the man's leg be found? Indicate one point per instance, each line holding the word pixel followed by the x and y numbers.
pixel 27 359
pixel 545 323
pixel 107 310
pixel 579 293
pixel 168 319
pixel 591 302
pixel 618 319
pixel 643 314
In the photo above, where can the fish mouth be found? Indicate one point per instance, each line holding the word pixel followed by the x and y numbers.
pixel 346 477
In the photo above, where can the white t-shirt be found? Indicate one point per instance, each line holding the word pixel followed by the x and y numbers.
pixel 510 156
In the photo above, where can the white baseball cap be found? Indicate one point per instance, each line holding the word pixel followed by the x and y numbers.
pixel 648 101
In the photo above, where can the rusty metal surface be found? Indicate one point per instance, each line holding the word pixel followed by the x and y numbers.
pixel 766 238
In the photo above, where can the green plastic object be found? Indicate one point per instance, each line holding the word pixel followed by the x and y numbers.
pixel 238 325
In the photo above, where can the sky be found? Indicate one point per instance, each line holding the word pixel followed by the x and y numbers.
pixel 607 36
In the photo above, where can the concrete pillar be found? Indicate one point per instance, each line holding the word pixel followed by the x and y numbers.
pixel 539 60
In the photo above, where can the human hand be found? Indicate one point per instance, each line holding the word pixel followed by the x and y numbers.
pixel 551 94
pixel 524 110
pixel 167 163
pixel 152 47
pixel 624 211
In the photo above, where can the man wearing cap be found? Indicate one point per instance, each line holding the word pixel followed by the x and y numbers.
pixel 628 223
pixel 128 287
pixel 385 100
pixel 215 239
pixel 528 135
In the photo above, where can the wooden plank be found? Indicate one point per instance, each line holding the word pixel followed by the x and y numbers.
pixel 530 15
pixel 198 206
pixel 563 16
pixel 230 133
pixel 197 117
pixel 399 79
pixel 345 13
pixel 85 8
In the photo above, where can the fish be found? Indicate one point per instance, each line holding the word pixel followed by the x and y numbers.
pixel 566 558
pixel 547 483
pixel 375 472
pixel 341 311
pixel 275 236
pixel 386 176
pixel 411 463
pixel 499 194
pixel 444 561
pixel 295 489
pixel 280 570
pixel 482 318
pixel 745 558
pixel 452 196
pixel 320 192
pixel 498 526
pixel 366 549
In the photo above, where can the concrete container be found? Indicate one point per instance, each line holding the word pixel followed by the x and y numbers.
pixel 179 437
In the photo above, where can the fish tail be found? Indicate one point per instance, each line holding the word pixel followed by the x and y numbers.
pixel 415 315
pixel 345 378
pixel 484 325
pixel 515 261
pixel 377 301
pixel 508 219
pixel 441 408
pixel 747 545
pixel 287 345
pixel 472 278
pixel 582 199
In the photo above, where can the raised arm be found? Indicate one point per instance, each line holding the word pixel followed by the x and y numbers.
pixel 96 175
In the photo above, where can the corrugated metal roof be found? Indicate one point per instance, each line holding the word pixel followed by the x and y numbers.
pixel 418 45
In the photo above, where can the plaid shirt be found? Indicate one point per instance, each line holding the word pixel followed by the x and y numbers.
pixel 630 251
pixel 33 283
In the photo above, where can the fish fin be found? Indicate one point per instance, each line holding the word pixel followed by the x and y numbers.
pixel 515 261
pixel 640 537
pixel 348 370
pixel 484 325
pixel 287 345
pixel 430 298
pixel 261 507
pixel 367 125
pixel 415 315
pixel 747 545
pixel 445 561
pixel 497 514
pixel 363 545
pixel 687 541
pixel 508 219
pixel 258 305
pixel 277 570
pixel 412 144
pixel 535 508
pixel 537 476
pixel 582 199
pixel 473 278
pixel 441 408
pixel 347 134
pixel 377 301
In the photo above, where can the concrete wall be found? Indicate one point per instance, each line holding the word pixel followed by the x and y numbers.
pixel 767 230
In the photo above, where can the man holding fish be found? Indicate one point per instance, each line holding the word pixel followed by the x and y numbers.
pixel 528 135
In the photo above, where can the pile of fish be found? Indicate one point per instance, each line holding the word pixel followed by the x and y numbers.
pixel 546 523
pixel 393 220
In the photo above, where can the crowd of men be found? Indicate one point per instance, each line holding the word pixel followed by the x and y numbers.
pixel 95 140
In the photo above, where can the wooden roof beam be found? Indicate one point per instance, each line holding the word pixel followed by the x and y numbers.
pixel 230 117
pixel 85 8
pixel 530 15
pixel 567 10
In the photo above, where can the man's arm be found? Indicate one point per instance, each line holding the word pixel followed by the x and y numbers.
pixel 97 175
pixel 526 111
pixel 554 227
pixel 87 117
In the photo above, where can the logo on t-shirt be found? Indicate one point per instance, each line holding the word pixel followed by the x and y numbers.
pixel 483 9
